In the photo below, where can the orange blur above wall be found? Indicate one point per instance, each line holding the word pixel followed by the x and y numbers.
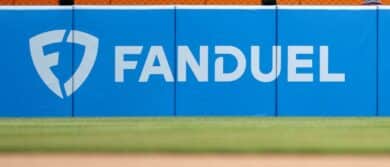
pixel 321 2
pixel 189 2
pixel 34 2
pixel 157 2
pixel 385 2
pixel 223 2
pixel 6 2
pixel 92 2
pixel 168 2
pixel 332 2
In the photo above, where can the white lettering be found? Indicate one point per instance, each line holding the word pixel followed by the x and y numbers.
pixel 325 76
pixel 276 64
pixel 220 75
pixel 156 53
pixel 120 64
pixel 185 57
pixel 294 63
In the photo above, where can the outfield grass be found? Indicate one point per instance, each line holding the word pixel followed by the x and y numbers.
pixel 197 135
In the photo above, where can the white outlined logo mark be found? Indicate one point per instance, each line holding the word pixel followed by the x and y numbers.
pixel 43 63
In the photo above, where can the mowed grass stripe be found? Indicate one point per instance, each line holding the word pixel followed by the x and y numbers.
pixel 197 135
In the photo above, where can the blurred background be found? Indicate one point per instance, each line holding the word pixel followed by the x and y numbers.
pixel 192 2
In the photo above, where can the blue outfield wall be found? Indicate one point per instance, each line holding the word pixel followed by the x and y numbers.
pixel 349 37
pixel 103 93
pixel 383 61
pixel 195 61
pixel 23 93
pixel 218 29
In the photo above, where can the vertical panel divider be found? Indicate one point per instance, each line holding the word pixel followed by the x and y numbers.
pixel 276 77
pixel 377 60
pixel 73 57
pixel 175 62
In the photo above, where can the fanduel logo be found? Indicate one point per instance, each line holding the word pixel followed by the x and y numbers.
pixel 185 61
pixel 43 63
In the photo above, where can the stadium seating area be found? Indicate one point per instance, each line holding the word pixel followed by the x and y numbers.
pixel 189 2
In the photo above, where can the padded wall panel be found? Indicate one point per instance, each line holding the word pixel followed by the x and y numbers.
pixel 238 28
pixel 384 61
pixel 33 76
pixel 102 93
pixel 350 35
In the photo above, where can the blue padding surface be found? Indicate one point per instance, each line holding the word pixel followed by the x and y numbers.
pixel 177 61
pixel 244 96
pixel 23 92
pixel 350 36
pixel 384 62
pixel 101 94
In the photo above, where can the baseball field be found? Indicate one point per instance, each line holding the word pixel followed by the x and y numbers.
pixel 197 135
pixel 191 138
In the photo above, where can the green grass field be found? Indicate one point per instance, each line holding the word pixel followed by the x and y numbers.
pixel 197 135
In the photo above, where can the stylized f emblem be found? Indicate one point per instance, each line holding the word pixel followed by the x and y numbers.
pixel 43 63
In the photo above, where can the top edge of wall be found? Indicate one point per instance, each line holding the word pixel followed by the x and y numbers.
pixel 223 7
pixel 121 7
pixel 199 7
pixel 36 7
pixel 327 7
pixel 384 7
